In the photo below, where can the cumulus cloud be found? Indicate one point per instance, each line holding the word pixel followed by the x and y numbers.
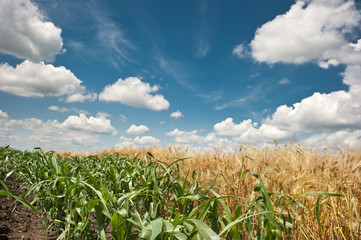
pixel 247 132
pixel 334 111
pixel 195 141
pixel 185 137
pixel 356 46
pixel 228 128
pixel 97 125
pixel 3 115
pixel 137 142
pixel 133 92
pixel 31 132
pixel 343 138
pixel 176 114
pixel 316 31
pixel 25 32
pixel 312 30
pixel 30 79
pixel 137 130
pixel 334 118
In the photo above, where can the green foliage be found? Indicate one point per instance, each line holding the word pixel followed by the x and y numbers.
pixel 140 198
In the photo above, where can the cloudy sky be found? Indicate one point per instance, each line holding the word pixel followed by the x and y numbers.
pixel 88 74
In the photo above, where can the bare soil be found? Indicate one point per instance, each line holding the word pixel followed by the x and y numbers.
pixel 18 221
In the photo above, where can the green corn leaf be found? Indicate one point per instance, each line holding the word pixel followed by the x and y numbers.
pixel 55 163
pixel 318 214
pixel 19 199
pixel 157 226
pixel 240 219
pixel 324 194
pixel 180 236
pixel 101 232
pixel 204 230
pixel 117 230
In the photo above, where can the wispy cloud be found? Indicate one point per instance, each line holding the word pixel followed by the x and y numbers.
pixel 284 81
pixel 174 69
pixel 123 118
pixel 203 46
pixel 253 93
pixel 64 109
pixel 212 96
pixel 112 38
pixel 203 31
pixel 106 39
pixel 234 103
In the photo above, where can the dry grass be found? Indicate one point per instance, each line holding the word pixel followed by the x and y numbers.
pixel 291 170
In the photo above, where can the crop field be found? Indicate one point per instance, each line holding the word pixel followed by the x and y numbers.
pixel 283 192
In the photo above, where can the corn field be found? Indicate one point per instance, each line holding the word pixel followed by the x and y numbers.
pixel 289 192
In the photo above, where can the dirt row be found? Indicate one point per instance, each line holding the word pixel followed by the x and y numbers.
pixel 18 221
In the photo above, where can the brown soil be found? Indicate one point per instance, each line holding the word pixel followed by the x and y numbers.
pixel 18 221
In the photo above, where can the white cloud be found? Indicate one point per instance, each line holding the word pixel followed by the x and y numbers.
pixel 25 33
pixel 81 97
pixel 327 119
pixel 146 141
pixel 356 46
pixel 344 138
pixel 309 31
pixel 103 114
pixel 137 142
pixel 96 125
pixel 51 135
pixel 228 128
pixel 240 50
pixel 3 115
pixel 185 137
pixel 195 141
pixel 64 109
pixel 284 81
pixel 176 114
pixel 337 110
pixel 247 132
pixel 133 92
pixel 137 130
pixel 58 109
pixel 30 79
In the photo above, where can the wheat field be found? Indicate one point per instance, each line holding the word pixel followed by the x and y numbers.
pixel 290 170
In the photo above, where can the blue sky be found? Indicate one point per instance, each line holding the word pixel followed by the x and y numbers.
pixel 83 75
